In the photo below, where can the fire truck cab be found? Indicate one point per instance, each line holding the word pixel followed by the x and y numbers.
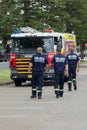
pixel 23 46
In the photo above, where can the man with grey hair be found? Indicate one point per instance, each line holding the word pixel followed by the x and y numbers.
pixel 38 63
pixel 73 67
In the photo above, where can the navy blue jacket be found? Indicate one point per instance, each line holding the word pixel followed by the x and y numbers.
pixel 59 62
pixel 39 61
pixel 72 59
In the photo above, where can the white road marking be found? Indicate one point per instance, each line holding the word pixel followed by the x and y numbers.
pixel 21 108
pixel 43 102
pixel 16 116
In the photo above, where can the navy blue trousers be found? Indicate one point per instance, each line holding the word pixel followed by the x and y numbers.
pixel 72 72
pixel 72 75
pixel 37 83
pixel 59 82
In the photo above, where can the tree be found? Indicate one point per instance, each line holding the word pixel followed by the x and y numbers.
pixel 41 14
pixel 8 19
pixel 59 15
pixel 77 20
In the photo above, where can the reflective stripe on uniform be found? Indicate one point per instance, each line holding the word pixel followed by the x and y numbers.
pixel 69 81
pixel 73 79
pixel 56 89
pixel 38 91
pixel 34 89
pixel 61 90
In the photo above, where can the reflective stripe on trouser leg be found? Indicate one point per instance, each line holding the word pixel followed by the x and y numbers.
pixel 56 91
pixel 74 82
pixel 39 93
pixel 34 91
pixel 61 92
pixel 70 82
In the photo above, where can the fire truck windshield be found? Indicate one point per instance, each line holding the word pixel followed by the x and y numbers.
pixel 30 44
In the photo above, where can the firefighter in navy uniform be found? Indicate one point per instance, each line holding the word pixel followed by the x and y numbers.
pixel 60 70
pixel 73 67
pixel 38 62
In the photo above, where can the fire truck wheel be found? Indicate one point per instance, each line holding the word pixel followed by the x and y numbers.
pixel 18 83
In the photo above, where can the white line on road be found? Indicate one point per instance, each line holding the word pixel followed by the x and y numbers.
pixel 16 116
pixel 13 97
pixel 43 102
pixel 21 108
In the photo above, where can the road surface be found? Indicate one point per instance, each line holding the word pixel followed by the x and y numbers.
pixel 4 65
pixel 19 112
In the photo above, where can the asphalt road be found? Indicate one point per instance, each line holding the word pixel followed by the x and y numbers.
pixel 4 65
pixel 19 112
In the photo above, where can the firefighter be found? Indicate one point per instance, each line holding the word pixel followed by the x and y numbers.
pixel 38 62
pixel 60 70
pixel 73 67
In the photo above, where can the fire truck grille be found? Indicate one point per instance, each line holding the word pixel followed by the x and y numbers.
pixel 22 65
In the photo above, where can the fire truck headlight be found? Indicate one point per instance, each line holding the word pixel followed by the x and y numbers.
pixel 14 71
pixel 51 70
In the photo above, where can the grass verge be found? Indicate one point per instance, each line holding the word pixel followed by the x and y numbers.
pixel 5 76
pixel 83 62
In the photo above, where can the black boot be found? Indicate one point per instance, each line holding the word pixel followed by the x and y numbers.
pixel 69 87
pixel 57 96
pixel 33 96
pixel 61 93
pixel 75 85
pixel 57 93
pixel 39 94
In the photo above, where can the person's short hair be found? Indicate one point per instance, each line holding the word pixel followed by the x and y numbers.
pixel 71 49
pixel 39 49
pixel 58 49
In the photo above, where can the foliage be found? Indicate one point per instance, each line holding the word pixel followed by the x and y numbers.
pixel 60 15
pixel 1 47
pixel 77 21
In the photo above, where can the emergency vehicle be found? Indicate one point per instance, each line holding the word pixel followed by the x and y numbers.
pixel 63 40
pixel 24 45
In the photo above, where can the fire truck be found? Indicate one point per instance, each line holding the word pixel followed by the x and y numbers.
pixel 63 40
pixel 24 45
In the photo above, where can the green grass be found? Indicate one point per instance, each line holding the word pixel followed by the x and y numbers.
pixel 5 76
pixel 83 62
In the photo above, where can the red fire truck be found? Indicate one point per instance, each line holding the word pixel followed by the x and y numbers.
pixel 24 45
